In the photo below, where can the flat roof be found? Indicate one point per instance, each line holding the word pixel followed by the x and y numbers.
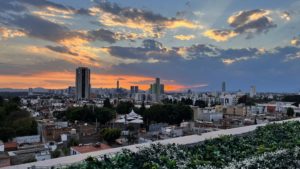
pixel 90 148
pixel 186 140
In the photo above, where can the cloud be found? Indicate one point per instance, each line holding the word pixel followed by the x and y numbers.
pixel 61 49
pixel 248 23
pixel 184 37
pixel 111 37
pixel 102 35
pixel 111 14
pixel 6 33
pixel 295 41
pixel 220 35
pixel 285 16
pixel 37 27
pixel 238 59
pixel 151 53
pixel 291 57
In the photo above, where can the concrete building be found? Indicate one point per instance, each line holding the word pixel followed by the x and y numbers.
pixel 29 153
pixel 228 99
pixel 253 91
pixel 83 85
pixel 223 87
pixel 207 114
pixel 4 158
pixel 88 148
pixel 157 89
pixel 134 89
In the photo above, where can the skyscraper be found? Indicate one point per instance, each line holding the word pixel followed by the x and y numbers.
pixel 118 85
pixel 83 85
pixel 157 89
pixel 134 89
pixel 252 91
pixel 223 87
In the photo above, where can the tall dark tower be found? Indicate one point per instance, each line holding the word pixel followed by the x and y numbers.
pixel 223 87
pixel 83 85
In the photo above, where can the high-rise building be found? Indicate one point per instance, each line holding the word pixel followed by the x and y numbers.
pixel 134 89
pixel 157 89
pixel 30 92
pixel 83 85
pixel 223 87
pixel 252 91
pixel 118 85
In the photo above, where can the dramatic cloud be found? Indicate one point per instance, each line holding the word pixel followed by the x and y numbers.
pixel 220 35
pixel 102 35
pixel 6 33
pixel 248 23
pixel 111 37
pixel 184 37
pixel 61 49
pixel 111 14
pixel 151 51
pixel 295 41
pixel 156 52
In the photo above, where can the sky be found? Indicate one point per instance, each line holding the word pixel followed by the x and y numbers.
pixel 189 44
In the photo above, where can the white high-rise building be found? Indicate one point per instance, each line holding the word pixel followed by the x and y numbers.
pixel 83 86
pixel 253 91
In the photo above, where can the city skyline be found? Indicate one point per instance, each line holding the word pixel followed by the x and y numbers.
pixel 191 45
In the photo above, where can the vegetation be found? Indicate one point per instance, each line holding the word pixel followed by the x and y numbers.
pixel 272 146
pixel 14 121
pixel 290 112
pixel 107 103
pixel 124 107
pixel 292 98
pixel 246 100
pixel 55 154
pixel 110 134
pixel 168 113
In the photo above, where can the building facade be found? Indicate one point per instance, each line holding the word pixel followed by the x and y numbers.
pixel 83 85
pixel 157 89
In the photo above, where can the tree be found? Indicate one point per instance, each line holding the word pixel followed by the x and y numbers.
pixel 187 101
pixel 142 108
pixel 7 133
pixel 1 101
pixel 55 154
pixel 90 114
pixel 200 103
pixel 73 142
pixel 104 115
pixel 169 113
pixel 25 126
pixel 246 100
pixel 124 107
pixel 16 100
pixel 132 135
pixel 107 104
pixel 290 112
pixel 110 134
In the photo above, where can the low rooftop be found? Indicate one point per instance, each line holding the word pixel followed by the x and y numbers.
pixel 90 148
pixel 186 140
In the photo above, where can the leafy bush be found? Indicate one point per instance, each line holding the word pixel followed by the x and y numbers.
pixel 272 146
pixel 110 134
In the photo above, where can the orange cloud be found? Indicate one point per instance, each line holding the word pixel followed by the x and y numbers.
pixel 150 28
pixel 220 35
pixel 184 37
pixel 6 33
pixel 61 80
